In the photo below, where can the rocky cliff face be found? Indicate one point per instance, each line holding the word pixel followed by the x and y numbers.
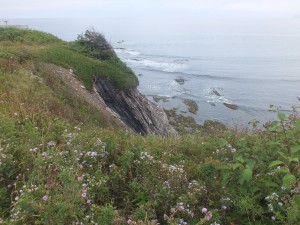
pixel 134 109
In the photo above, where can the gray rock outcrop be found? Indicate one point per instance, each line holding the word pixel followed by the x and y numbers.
pixel 134 109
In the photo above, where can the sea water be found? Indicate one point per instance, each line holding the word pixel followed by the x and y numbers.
pixel 250 64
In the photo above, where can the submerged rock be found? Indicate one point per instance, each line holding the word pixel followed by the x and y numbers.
pixel 158 98
pixel 180 81
pixel 231 106
pixel 134 109
pixel 193 107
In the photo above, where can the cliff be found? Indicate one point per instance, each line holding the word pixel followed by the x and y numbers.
pixel 134 109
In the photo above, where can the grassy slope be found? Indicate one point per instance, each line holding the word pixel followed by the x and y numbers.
pixel 57 166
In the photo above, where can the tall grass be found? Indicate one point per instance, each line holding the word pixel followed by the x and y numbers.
pixel 27 36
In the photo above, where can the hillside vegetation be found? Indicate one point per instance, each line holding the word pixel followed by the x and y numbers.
pixel 64 162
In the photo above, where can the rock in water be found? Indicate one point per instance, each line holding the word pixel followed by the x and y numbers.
pixel 231 106
pixel 216 92
pixel 180 81
pixel 192 105
pixel 134 109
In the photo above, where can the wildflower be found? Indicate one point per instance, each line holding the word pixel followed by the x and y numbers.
pixel 204 210
pixel 129 221
pixel 273 218
pixel 270 207
pixel 83 194
pixel 181 207
pixel 208 216
pixel 224 207
pixel 17 198
pixel 51 143
pixel 88 201
pixel 45 198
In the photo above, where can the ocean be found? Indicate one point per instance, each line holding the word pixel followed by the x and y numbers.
pixel 249 64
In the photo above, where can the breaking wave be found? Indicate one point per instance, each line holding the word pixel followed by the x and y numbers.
pixel 161 66
pixel 127 51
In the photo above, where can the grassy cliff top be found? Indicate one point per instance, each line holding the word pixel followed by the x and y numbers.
pixel 89 56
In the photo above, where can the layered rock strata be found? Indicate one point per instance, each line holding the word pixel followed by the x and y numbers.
pixel 134 109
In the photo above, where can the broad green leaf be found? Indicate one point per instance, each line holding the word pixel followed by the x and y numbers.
pixel 240 158
pixel 283 170
pixel 295 159
pixel 236 165
pixel 246 175
pixel 297 200
pixel 275 163
pixel 270 184
pixel 281 116
pixel 282 155
pixel 295 149
pixel 288 180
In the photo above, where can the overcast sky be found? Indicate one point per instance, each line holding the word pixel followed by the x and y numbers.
pixel 134 8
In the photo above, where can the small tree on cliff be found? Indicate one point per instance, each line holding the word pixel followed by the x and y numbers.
pixel 94 44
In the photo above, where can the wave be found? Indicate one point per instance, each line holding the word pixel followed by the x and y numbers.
pixel 127 51
pixel 169 67
pixel 191 75
pixel 213 95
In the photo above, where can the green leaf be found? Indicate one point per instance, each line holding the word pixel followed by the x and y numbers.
pixel 288 180
pixel 240 158
pixel 297 200
pixel 282 155
pixel 223 142
pixel 295 159
pixel 297 125
pixel 236 165
pixel 274 126
pixel 283 170
pixel 275 163
pixel 281 116
pixel 246 175
pixel 250 164
pixel 226 177
pixel 295 149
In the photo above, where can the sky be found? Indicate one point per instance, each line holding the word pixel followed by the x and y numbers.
pixel 148 8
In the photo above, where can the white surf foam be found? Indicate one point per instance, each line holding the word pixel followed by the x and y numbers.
pixel 213 95
pixel 163 66
pixel 127 51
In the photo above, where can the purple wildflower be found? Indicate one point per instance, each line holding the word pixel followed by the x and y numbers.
pixel 45 197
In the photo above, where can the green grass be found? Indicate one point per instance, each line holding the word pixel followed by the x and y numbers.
pixel 27 36
pixel 88 173
pixel 24 45
pixel 87 68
